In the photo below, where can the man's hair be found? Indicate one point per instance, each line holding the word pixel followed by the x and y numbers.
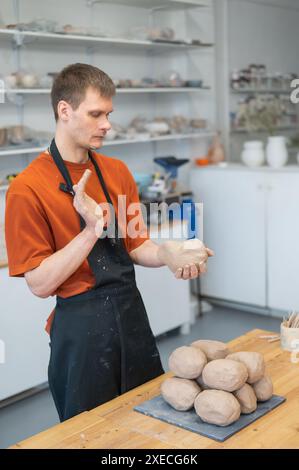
pixel 72 82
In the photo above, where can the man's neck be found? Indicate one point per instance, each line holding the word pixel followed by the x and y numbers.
pixel 70 152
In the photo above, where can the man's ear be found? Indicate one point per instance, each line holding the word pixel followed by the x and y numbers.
pixel 64 110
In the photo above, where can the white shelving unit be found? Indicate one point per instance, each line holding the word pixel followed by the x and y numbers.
pixel 31 39
pixel 22 42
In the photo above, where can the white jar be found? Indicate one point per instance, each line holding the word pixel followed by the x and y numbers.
pixel 277 152
pixel 253 153
pixel 289 338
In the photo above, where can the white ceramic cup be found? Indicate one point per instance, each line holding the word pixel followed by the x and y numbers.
pixel 289 338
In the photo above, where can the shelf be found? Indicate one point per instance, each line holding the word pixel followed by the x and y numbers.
pixel 19 36
pixel 282 128
pixel 28 91
pixel 196 135
pixel 163 90
pixel 271 91
pixel 150 4
pixel 18 150
pixel 45 91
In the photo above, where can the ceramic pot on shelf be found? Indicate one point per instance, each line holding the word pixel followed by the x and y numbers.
pixel 277 152
pixel 253 153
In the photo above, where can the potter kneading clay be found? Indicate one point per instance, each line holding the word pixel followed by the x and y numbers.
pixel 263 388
pixel 212 349
pixel 177 254
pixel 187 362
pixel 254 362
pixel 180 393
pixel 201 383
pixel 217 407
pixel 225 374
pixel 247 399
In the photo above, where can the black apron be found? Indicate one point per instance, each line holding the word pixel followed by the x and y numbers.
pixel 101 341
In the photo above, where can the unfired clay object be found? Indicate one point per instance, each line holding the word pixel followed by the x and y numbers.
pixel 180 393
pixel 225 374
pixel 187 362
pixel 247 399
pixel 201 383
pixel 216 151
pixel 217 407
pixel 263 388
pixel 254 362
pixel 212 349
pixel 178 254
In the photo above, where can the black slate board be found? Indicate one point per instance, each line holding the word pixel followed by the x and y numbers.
pixel 158 408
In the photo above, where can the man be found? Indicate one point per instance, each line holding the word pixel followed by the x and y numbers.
pixel 101 341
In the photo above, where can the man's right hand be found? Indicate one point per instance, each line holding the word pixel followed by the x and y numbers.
pixel 87 207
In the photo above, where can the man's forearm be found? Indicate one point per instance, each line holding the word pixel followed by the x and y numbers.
pixel 147 255
pixel 54 270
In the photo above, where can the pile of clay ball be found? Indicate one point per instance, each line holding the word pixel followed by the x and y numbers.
pixel 219 385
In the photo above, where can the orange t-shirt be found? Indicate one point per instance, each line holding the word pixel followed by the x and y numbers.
pixel 40 219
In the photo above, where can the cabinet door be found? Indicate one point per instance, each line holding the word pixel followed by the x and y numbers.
pixel 234 227
pixel 283 241
pixel 166 299
pixel 22 335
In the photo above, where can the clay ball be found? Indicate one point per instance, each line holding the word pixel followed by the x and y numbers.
pixel 263 388
pixel 201 383
pixel 247 399
pixel 225 374
pixel 217 407
pixel 176 254
pixel 212 349
pixel 254 362
pixel 180 393
pixel 187 362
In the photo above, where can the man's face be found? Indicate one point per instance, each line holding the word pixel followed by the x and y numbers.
pixel 89 123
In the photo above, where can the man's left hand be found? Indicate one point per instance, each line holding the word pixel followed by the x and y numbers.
pixel 192 271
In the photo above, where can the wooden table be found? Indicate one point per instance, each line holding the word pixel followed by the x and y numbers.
pixel 115 425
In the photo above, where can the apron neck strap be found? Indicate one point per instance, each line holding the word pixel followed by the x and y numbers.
pixel 68 187
pixel 101 179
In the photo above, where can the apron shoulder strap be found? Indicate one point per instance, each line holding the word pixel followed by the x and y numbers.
pixel 68 187
pixel 100 176
pixel 106 192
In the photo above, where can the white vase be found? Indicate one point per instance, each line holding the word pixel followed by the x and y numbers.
pixel 277 152
pixel 253 153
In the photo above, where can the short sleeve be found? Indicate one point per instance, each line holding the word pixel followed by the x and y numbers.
pixel 136 230
pixel 28 235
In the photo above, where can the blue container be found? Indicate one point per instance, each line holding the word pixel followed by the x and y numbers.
pixel 188 212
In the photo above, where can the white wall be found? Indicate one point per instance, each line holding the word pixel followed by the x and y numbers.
pixel 262 33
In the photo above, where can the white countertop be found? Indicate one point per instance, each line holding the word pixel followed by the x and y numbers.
pixel 240 167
